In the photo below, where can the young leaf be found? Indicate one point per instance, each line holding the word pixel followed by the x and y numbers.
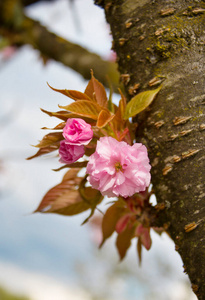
pixel 78 164
pixel 63 199
pixel 139 250
pixel 118 121
pixel 122 223
pixel 103 118
pixel 45 150
pixel 84 108
pixel 110 219
pixel 72 175
pixel 143 233
pixel 110 104
pixel 50 139
pixel 89 195
pixel 75 95
pixel 96 91
pixel 57 127
pixel 93 197
pixel 140 102
pixel 63 115
pixel 123 241
pixel 146 239
pixel 123 103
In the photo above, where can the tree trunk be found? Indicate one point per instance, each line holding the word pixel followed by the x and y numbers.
pixel 163 41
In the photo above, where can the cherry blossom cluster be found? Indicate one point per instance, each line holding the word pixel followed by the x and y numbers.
pixel 115 168
pixel 77 133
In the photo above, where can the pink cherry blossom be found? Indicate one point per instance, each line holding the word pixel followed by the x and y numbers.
pixel 118 169
pixel 77 132
pixel 70 153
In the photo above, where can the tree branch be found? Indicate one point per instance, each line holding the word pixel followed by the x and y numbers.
pixel 23 30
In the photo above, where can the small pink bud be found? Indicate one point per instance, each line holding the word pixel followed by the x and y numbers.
pixel 70 153
pixel 77 132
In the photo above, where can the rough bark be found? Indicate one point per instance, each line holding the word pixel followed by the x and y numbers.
pixel 21 30
pixel 164 41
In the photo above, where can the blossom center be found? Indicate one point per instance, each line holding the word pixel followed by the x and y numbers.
pixel 118 167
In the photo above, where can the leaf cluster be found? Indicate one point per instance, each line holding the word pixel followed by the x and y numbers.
pixel 73 195
pixel 129 218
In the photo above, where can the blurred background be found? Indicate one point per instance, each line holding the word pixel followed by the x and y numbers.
pixel 51 257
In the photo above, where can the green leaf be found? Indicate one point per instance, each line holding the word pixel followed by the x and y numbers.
pixel 84 108
pixel 140 102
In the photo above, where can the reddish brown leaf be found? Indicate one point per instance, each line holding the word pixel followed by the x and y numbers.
pixel 45 150
pixel 139 250
pixel 89 151
pixel 96 91
pixel 146 239
pixel 110 219
pixel 71 175
pixel 123 241
pixel 144 235
pixel 118 120
pixel 89 195
pixel 84 108
pixel 63 199
pixel 50 139
pixel 78 164
pixel 103 118
pixel 122 223
pixel 63 115
pixel 58 127
pixel 75 95
pixel 123 102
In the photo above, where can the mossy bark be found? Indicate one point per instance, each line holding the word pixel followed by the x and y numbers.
pixel 163 42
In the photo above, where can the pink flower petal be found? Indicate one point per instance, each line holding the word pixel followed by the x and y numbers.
pixel 77 132
pixel 118 169
pixel 70 153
